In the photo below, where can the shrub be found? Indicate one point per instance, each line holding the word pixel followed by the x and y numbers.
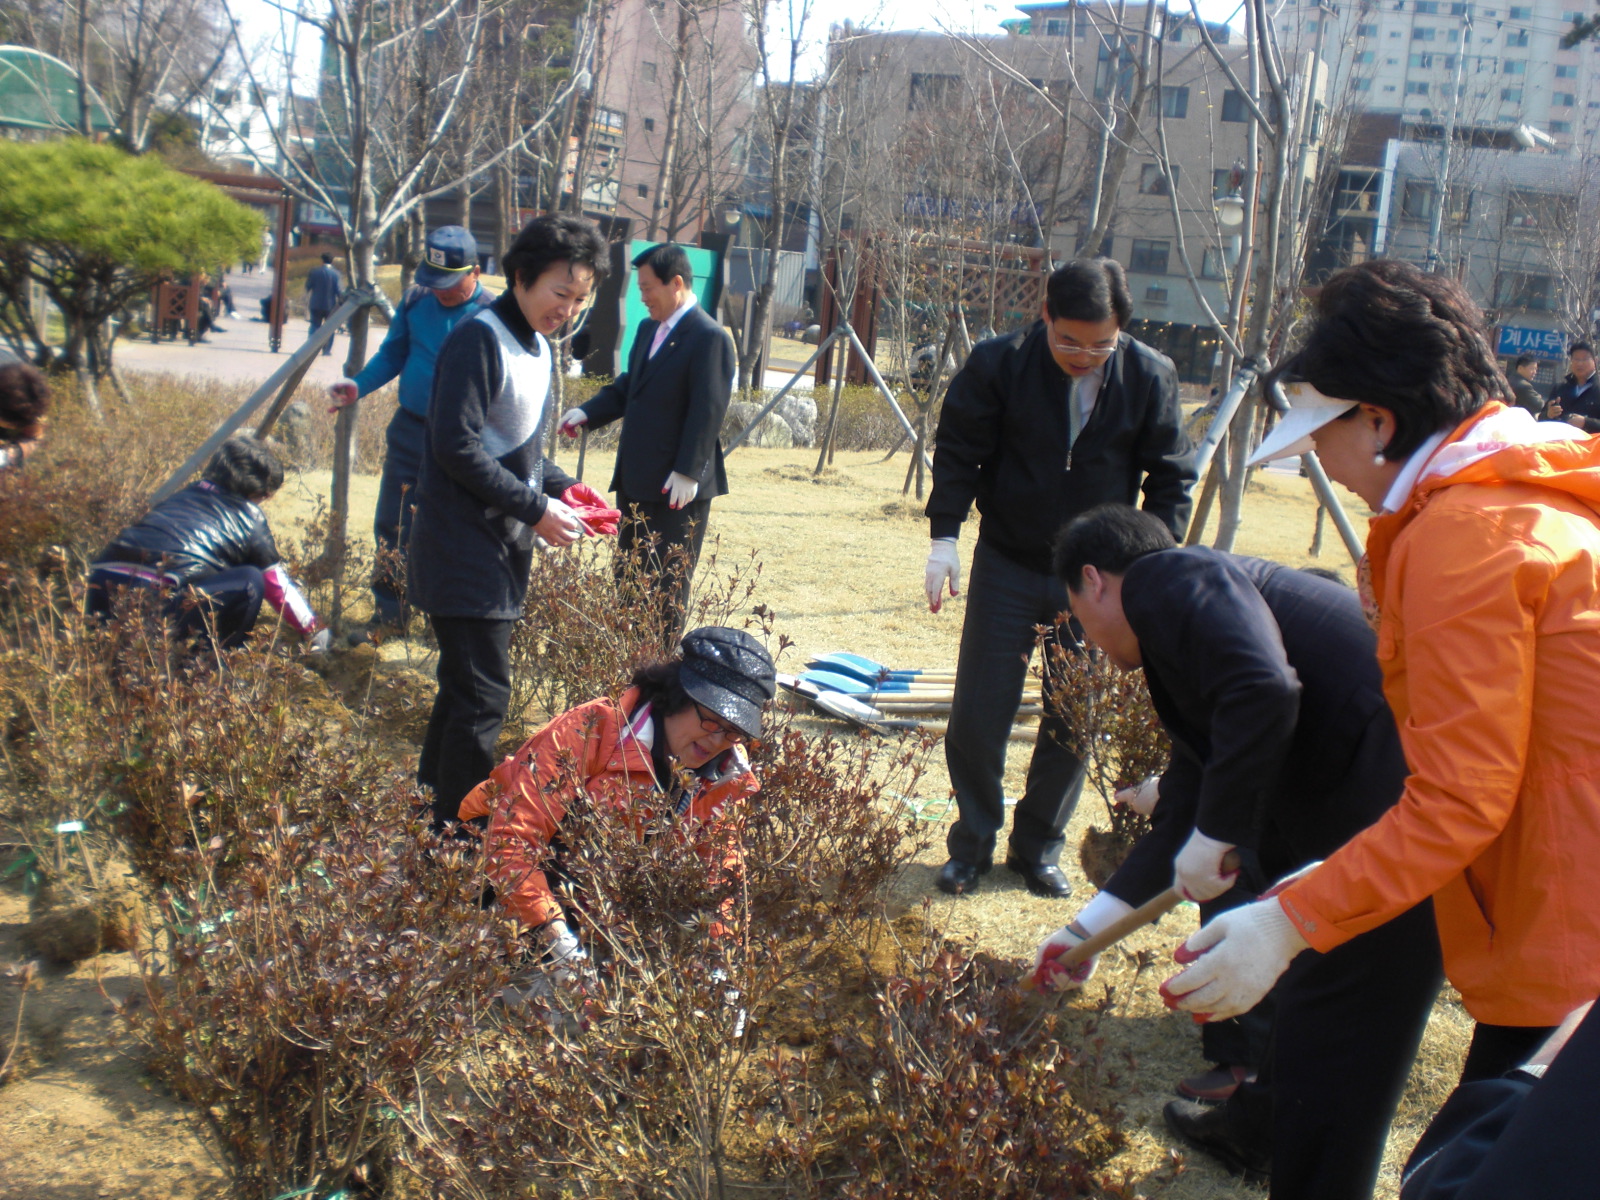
pixel 306 1003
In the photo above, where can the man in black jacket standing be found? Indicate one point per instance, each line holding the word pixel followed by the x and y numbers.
pixel 1283 748
pixel 1576 399
pixel 1038 426
pixel 673 397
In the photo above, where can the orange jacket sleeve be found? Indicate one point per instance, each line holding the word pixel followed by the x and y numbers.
pixel 527 796
pixel 1458 656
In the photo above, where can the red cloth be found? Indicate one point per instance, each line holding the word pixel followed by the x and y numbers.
pixel 590 507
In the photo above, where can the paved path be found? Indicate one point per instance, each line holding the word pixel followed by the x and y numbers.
pixel 242 353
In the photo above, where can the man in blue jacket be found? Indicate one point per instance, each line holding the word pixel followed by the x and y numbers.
pixel 447 293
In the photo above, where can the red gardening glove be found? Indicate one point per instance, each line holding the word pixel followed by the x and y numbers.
pixel 590 507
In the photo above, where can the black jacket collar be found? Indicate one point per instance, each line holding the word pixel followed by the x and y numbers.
pixel 510 314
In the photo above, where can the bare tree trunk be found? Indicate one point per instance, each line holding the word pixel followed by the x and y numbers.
pixel 662 200
pixel 84 127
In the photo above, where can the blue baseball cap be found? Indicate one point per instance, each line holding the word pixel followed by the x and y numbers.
pixel 449 254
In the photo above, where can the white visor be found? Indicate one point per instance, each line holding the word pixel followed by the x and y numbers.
pixel 1309 411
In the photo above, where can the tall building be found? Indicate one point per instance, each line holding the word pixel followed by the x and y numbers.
pixel 1487 66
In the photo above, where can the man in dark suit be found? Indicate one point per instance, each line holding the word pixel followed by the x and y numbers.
pixel 674 396
pixel 1038 426
pixel 1266 679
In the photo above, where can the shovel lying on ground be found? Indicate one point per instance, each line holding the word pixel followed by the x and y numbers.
pixel 1150 910
pixel 868 671
pixel 865 716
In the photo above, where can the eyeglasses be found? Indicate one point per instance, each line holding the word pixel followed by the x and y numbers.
pixel 1101 351
pixel 712 723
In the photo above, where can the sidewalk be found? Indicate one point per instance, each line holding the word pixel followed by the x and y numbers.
pixel 241 354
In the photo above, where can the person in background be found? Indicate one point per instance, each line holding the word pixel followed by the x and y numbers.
pixel 323 285
pixel 486 493
pixel 1283 748
pixel 1521 379
pixel 1576 399
pixel 671 747
pixel 1038 426
pixel 209 550
pixel 672 399
pixel 24 409
pixel 447 292
pixel 1482 577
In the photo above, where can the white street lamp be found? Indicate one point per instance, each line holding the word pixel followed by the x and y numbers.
pixel 1230 209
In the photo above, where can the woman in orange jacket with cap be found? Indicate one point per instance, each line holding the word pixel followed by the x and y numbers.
pixel 670 748
pixel 1483 577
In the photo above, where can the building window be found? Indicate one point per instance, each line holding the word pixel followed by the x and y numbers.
pixel 1149 256
pixel 1416 201
pixel 649 72
pixel 649 124
pixel 1523 289
pixel 1566 71
pixel 1539 210
pixel 1055 28
pixel 1233 106
pixel 644 191
pixel 1175 102
pixel 1424 33
pixel 1423 61
pixel 1153 180
pixel 1514 66
pixel 1220 180
pixel 1365 31
pixel 1155 294
pixel 1517 38
pixel 1361 85
pixel 1458 10
pixel 1560 126
pixel 1520 13
pixel 1511 95
pixel 1366 58
pixel 1563 99
pixel 1428 7
pixel 1414 88
pixel 933 92
pixel 1211 266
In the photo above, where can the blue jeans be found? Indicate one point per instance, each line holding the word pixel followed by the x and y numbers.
pixel 1004 602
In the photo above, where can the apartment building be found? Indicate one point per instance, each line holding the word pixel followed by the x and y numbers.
pixel 914 86
pixel 1478 64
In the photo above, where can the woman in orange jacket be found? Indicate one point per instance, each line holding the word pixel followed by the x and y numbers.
pixel 670 748
pixel 1483 577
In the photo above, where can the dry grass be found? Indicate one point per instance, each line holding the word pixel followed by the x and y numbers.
pixel 843 556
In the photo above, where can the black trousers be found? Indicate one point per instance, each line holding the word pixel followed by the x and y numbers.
pixel 1497 1049
pixel 458 751
pixel 1245 1040
pixel 227 601
pixel 1347 1028
pixel 669 541
pixel 1004 602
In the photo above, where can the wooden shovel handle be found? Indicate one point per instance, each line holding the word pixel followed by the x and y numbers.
pixel 1113 933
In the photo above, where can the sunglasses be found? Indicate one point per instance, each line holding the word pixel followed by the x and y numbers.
pixel 711 723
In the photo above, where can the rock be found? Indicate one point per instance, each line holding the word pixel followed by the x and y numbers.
pixel 801 413
pixel 811 335
pixel 67 934
pixel 772 433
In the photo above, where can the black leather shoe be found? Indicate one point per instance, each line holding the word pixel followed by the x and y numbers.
pixel 1205 1127
pixel 957 878
pixel 1043 879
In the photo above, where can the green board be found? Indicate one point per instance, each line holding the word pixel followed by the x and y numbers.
pixel 707 268
pixel 41 92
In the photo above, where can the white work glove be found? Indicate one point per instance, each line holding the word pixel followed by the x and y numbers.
pixel 1234 960
pixel 680 489
pixel 944 566
pixel 320 641
pixel 572 420
pixel 1142 799
pixel 560 525
pixel 342 393
pixel 1198 872
pixel 564 957
pixel 1100 913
